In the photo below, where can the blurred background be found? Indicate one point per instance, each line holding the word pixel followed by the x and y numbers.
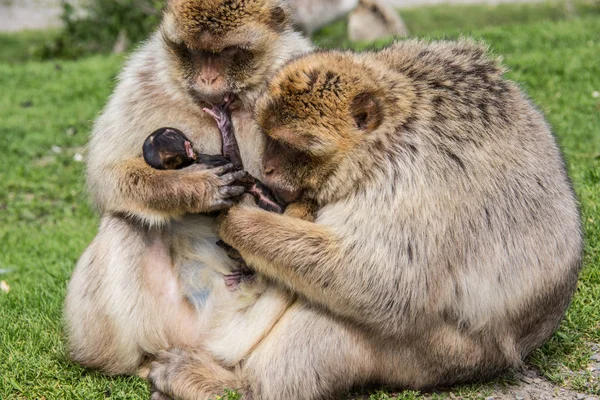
pixel 69 29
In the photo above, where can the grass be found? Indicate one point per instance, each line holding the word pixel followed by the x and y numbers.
pixel 46 222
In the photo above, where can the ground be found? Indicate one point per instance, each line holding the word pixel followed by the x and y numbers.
pixel 46 112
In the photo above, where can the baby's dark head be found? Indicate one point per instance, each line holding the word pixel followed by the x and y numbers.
pixel 168 148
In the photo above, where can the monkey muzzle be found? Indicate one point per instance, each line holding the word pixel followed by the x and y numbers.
pixel 284 193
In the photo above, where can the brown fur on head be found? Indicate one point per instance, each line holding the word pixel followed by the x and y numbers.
pixel 223 46
pixel 323 111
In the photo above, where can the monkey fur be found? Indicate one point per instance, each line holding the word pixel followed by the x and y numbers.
pixel 447 241
pixel 373 20
pixel 152 279
pixel 169 148
pixel 368 20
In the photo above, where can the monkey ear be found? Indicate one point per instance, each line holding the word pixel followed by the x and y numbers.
pixel 277 18
pixel 366 112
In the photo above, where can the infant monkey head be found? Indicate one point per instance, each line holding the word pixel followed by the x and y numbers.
pixel 324 114
pixel 224 46
pixel 168 148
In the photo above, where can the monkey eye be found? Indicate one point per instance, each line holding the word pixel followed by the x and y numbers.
pixel 231 50
pixel 179 48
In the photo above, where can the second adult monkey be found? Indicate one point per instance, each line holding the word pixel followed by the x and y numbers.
pixel 149 279
pixel 447 242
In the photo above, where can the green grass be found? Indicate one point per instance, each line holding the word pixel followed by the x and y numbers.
pixel 45 220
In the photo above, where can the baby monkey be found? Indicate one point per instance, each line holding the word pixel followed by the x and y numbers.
pixel 169 148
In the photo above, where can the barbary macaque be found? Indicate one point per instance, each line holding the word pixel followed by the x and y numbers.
pixel 447 242
pixel 169 148
pixel 154 275
pixel 368 20
pixel 373 20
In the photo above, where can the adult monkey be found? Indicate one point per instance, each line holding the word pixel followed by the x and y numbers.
pixel 447 240
pixel 129 294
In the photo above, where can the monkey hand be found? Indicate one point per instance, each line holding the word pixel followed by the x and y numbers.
pixel 207 190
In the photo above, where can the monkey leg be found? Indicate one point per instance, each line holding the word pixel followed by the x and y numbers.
pixel 191 375
pixel 263 196
pixel 222 116
pixel 124 300
pixel 311 355
pixel 307 355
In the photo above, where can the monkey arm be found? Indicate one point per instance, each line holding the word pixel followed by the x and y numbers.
pixel 306 257
pixel 143 190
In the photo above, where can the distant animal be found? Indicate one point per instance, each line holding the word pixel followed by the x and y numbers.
pixel 373 20
pixel 368 20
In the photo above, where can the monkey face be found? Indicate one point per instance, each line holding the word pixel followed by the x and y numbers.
pixel 222 46
pixel 168 148
pixel 317 113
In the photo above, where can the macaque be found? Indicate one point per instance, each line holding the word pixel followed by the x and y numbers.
pixel 153 278
pixel 374 20
pixel 368 20
pixel 169 148
pixel 447 240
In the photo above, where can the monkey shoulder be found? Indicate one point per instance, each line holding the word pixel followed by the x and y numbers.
pixel 461 72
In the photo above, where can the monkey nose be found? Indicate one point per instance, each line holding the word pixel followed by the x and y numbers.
pixel 209 79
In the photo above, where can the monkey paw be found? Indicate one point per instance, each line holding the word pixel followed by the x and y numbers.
pixel 156 395
pixel 221 115
pixel 213 189
pixel 183 374
pixel 164 373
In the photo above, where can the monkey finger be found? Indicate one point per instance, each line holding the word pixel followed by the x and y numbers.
pixel 228 192
pixel 231 177
pixel 224 169
pixel 224 245
pixel 228 100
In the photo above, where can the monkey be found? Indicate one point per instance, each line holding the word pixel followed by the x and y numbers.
pixel 169 148
pixel 447 241
pixel 153 276
pixel 368 20
pixel 373 20
pixel 310 15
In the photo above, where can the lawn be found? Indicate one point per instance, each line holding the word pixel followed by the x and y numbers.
pixel 46 112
